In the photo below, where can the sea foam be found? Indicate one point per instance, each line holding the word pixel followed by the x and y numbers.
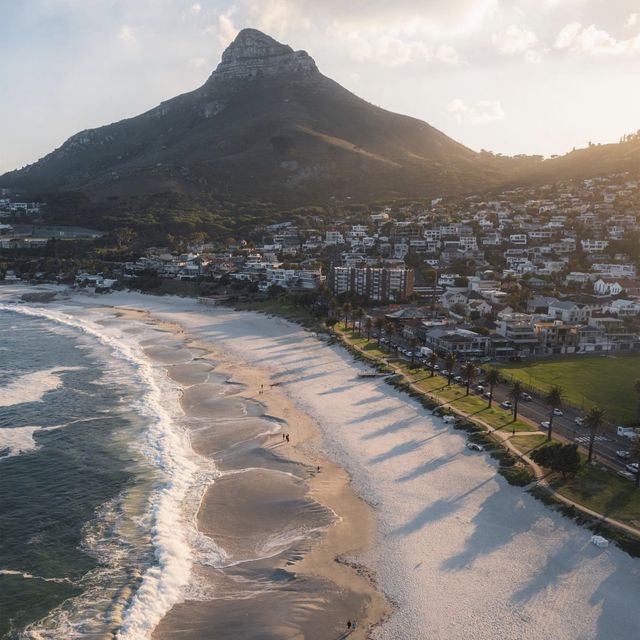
pixel 167 447
pixel 32 387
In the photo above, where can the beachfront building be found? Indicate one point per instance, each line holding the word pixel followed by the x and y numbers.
pixel 374 284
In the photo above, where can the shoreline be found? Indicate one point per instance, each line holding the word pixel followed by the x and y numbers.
pixel 334 556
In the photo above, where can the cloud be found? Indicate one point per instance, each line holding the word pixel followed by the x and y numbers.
pixel 126 34
pixel 591 40
pixel 278 17
pixel 632 20
pixel 483 112
pixel 391 49
pixel 197 62
pixel 226 29
pixel 514 40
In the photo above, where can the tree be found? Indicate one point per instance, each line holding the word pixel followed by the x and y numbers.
pixel 558 457
pixel 635 453
pixel 346 310
pixel 357 314
pixel 469 374
pixel 433 361
pixel 379 324
pixel 493 377
pixel 515 393
pixel 593 421
pixel 554 400
pixel 389 330
pixel 331 323
pixel 450 364
pixel 368 323
pixel 413 343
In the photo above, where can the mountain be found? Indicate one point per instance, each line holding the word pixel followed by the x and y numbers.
pixel 266 125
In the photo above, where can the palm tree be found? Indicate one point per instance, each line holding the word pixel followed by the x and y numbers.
pixel 515 393
pixel 413 343
pixel 346 309
pixel 389 330
pixel 357 314
pixel 469 374
pixel 635 452
pixel 379 324
pixel 593 421
pixel 433 361
pixel 554 400
pixel 368 323
pixel 450 364
pixel 493 377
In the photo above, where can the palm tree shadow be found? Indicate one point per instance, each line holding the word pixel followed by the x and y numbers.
pixel 492 529
pixel 436 511
pixel 427 467
pixel 559 564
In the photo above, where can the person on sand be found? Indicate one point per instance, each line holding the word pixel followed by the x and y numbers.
pixel 287 437
pixel 348 625
pixel 284 436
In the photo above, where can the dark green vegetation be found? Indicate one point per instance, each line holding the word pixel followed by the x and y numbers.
pixel 606 381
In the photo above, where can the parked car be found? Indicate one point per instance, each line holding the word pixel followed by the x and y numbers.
pixel 527 397
pixel 459 379
pixel 557 412
pixel 545 424
pixel 632 468
pixel 506 404
pixel 487 394
pixel 480 389
pixel 444 372
pixel 623 454
pixel 579 421
pixel 474 447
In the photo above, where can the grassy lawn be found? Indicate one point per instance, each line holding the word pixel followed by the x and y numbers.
pixel 606 381
pixel 602 490
pixel 526 444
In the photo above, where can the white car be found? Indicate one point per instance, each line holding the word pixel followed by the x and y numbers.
pixel 506 404
pixel 632 468
pixel 579 421
pixel 545 424
pixel 527 397
pixel 474 447
pixel 557 412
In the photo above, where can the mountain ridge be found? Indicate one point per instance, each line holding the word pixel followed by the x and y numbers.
pixel 268 125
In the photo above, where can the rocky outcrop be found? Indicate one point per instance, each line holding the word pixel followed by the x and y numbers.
pixel 253 54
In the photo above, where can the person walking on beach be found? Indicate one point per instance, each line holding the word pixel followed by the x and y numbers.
pixel 287 437
pixel 348 625
pixel 284 436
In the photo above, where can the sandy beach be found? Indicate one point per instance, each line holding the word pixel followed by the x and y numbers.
pixel 457 551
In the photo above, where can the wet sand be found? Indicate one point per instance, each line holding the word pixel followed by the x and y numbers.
pixel 286 524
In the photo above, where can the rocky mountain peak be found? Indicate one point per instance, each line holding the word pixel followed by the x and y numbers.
pixel 254 54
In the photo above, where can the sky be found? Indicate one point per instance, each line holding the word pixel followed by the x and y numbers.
pixel 510 76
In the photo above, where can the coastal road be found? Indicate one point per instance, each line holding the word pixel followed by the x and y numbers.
pixel 607 442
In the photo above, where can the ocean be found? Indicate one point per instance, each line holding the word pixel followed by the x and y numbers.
pixel 91 472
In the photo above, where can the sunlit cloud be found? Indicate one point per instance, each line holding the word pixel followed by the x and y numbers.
pixel 195 9
pixel 591 40
pixel 483 112
pixel 632 20
pixel 514 40
pixel 227 31
pixel 126 34
pixel 197 62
